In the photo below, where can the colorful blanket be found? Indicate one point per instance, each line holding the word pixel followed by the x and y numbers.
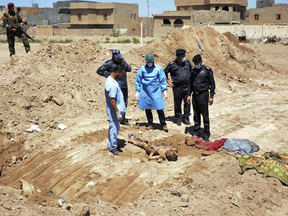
pixel 270 164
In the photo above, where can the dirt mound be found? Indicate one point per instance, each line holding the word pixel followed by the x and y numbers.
pixel 221 52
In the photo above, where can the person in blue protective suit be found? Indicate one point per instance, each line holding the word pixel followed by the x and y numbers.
pixel 150 83
pixel 115 106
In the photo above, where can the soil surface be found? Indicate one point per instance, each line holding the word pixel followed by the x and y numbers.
pixel 71 171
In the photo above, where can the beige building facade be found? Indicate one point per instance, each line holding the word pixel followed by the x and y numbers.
pixel 106 16
pixel 277 14
pixel 200 12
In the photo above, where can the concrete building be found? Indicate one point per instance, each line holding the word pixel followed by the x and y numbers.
pixel 60 13
pixel 114 16
pixel 278 14
pixel 200 12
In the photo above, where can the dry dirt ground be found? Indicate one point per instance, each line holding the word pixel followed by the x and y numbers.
pixel 57 83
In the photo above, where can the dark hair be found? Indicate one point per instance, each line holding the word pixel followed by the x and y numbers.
pixel 119 69
pixel 171 155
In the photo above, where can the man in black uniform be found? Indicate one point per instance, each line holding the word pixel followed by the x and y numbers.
pixel 107 69
pixel 202 80
pixel 180 72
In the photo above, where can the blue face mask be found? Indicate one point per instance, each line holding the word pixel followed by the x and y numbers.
pixel 197 66
pixel 183 59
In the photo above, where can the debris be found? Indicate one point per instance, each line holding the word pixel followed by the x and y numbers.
pixel 185 198
pixel 61 201
pixel 199 45
pixel 33 128
pixel 14 159
pixel 62 126
pixel 50 191
pixel 27 188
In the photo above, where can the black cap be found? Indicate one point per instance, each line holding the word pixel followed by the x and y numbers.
pixel 180 52
pixel 115 51
pixel 197 58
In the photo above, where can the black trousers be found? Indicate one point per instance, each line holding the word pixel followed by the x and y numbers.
pixel 180 94
pixel 125 94
pixel 161 116
pixel 200 107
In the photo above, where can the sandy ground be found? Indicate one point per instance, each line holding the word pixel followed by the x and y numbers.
pixel 57 83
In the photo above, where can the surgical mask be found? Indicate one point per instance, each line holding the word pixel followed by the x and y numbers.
pixel 197 66
pixel 183 59
pixel 150 64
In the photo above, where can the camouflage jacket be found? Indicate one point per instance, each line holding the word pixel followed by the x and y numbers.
pixel 11 20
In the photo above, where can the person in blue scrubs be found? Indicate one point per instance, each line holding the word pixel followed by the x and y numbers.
pixel 150 83
pixel 115 105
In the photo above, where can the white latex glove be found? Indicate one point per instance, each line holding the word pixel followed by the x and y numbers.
pixel 136 95
pixel 119 116
pixel 165 94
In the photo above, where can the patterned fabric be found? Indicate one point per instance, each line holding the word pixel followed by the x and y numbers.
pixel 270 164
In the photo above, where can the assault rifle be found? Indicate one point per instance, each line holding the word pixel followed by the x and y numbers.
pixel 18 28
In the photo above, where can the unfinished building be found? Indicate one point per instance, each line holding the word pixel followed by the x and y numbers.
pixel 200 12
pixel 111 16
pixel 277 14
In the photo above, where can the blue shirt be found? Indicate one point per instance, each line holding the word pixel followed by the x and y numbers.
pixel 113 90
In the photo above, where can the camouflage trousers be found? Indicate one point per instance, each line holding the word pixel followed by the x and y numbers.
pixel 11 41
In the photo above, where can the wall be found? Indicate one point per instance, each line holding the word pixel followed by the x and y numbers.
pixel 255 31
pixel 49 15
pixel 215 17
pixel 82 32
pixel 42 30
pixel 264 3
pixel 188 3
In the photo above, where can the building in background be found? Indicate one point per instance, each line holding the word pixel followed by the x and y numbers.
pixel 200 12
pixel 59 14
pixel 114 16
pixel 276 14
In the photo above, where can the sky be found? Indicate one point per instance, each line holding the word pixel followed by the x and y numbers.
pixel 155 6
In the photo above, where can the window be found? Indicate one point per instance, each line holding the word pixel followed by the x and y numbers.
pixel 166 22
pixel 278 16
pixel 216 8
pixel 79 17
pixel 178 23
pixel 133 30
pixel 131 16
pixel 105 16
pixel 226 8
pixel 134 16
pixel 256 16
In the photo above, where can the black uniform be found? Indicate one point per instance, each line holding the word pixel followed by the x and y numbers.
pixel 181 76
pixel 202 81
pixel 107 69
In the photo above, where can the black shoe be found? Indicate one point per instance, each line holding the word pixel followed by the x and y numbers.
pixel 206 138
pixel 186 122
pixel 125 122
pixel 196 133
pixel 179 122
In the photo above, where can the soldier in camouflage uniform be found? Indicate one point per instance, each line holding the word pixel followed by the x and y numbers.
pixel 11 21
